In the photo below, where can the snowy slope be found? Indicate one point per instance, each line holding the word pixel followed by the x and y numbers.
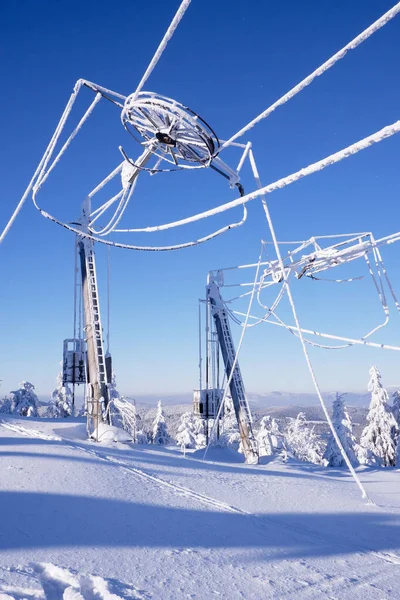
pixel 81 520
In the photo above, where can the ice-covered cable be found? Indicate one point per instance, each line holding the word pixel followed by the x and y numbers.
pixel 319 71
pixel 44 159
pixel 332 159
pixel 233 367
pixel 293 329
pixel 168 35
pixel 300 333
pixel 41 179
pixel 143 248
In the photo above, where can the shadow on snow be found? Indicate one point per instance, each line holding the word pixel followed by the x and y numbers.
pixel 38 520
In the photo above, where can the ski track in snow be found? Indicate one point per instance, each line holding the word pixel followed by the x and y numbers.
pixel 177 489
pixel 59 583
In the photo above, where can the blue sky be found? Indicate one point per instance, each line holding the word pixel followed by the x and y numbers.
pixel 228 61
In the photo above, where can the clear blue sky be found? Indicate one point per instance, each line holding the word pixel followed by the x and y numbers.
pixel 228 61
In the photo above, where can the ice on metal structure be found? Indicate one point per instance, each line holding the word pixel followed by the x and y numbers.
pixel 74 361
pixel 224 343
pixel 206 402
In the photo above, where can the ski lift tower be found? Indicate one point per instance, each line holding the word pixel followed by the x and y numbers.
pixel 207 402
pixel 172 138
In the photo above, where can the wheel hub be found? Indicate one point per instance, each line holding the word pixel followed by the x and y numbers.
pixel 166 139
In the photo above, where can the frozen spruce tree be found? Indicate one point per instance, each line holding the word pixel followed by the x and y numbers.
pixel 160 431
pixel 396 407
pixel 22 402
pixel 60 405
pixel 344 429
pixel 121 411
pixel 229 435
pixel 123 415
pixel 186 437
pixel 377 443
pixel 301 441
pixel 112 387
pixel 199 431
pixel 269 436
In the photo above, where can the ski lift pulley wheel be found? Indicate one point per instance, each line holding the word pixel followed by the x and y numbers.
pixel 174 132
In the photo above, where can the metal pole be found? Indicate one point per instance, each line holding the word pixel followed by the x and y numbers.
pixel 200 357
pixel 108 299
pixel 207 365
pixel 74 346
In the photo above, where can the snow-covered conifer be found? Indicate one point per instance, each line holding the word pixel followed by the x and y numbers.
pixel 269 436
pixel 344 429
pixel 396 407
pixel 186 436
pixel 199 431
pixel 5 405
pixel 142 437
pixel 229 435
pixel 301 441
pixel 60 404
pixel 160 430
pixel 122 414
pixel 23 402
pixel 112 387
pixel 377 443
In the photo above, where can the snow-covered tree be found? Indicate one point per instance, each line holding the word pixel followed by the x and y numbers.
pixel 60 405
pixel 199 430
pixel 229 435
pixel 185 436
pixel 269 437
pixel 142 437
pixel 22 402
pixel 344 429
pixel 191 431
pixel 112 388
pixel 396 407
pixel 121 411
pixel 160 430
pixel 377 443
pixel 122 414
pixel 301 441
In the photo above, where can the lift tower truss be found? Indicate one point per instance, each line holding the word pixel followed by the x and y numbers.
pixel 236 386
pixel 97 395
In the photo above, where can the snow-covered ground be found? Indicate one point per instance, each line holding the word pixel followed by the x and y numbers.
pixel 85 520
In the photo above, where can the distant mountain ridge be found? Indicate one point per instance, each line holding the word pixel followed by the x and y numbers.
pixel 268 399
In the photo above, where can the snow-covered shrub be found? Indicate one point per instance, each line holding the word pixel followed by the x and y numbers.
pixel 301 441
pixel 160 431
pixel 344 429
pixel 60 405
pixel 22 402
pixel 378 440
pixel 269 437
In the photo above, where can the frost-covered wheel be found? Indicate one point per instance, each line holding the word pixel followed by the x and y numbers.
pixel 174 132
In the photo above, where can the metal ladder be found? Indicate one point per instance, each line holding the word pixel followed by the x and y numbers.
pixel 95 310
pixel 97 389
pixel 237 376
pixel 241 406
